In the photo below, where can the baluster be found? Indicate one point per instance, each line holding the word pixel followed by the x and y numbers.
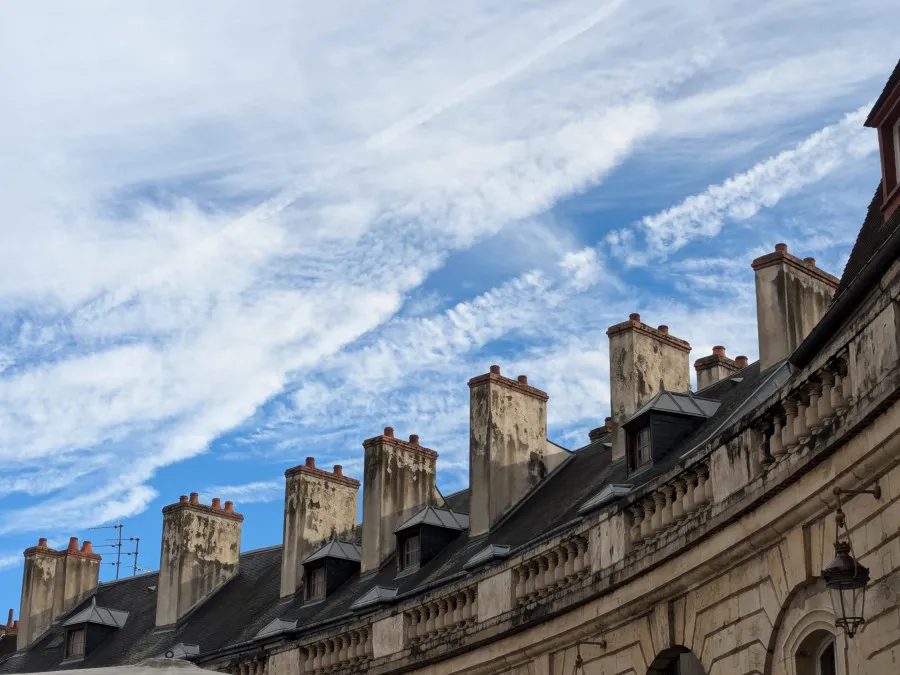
pixel 570 561
pixel 637 515
pixel 678 503
pixel 559 578
pixel 429 622
pixel 647 524
pixel 529 580
pixel 470 612
pixel 658 503
pixel 690 480
pixel 776 445
pixel 788 433
pixel 412 626
pixel 667 514
pixel 353 652
pixel 369 646
pixel 537 574
pixel 826 411
pixel 459 601
pixel 814 421
pixel 708 485
pixel 700 489
pixel 801 431
pixel 581 548
pixel 521 575
pixel 344 642
pixel 318 651
pixel 552 564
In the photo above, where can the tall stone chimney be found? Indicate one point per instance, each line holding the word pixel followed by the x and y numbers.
pixel 507 445
pixel 792 296
pixel 53 583
pixel 201 548
pixel 317 504
pixel 399 480
pixel 642 362
pixel 717 366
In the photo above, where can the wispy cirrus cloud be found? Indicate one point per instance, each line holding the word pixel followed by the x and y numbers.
pixel 195 243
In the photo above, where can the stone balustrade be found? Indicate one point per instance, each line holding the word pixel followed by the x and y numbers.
pixel 339 652
pixel 444 615
pixel 250 667
pixel 552 570
pixel 687 494
pixel 807 410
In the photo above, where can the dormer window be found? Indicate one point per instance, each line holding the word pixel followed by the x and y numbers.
pixel 315 584
pixel 885 117
pixel 641 449
pixel 409 552
pixel 75 643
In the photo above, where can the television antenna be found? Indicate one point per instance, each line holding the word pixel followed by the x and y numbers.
pixel 117 543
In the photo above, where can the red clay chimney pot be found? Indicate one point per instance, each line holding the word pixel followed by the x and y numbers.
pixel 311 462
pixel 719 350
pixel 87 547
pixel 217 503
pixel 664 329
pixel 523 379
pixel 229 507
pixel 389 432
pixel 810 261
pixel 9 621
pixel 414 439
pixel 495 370
pixel 183 499
pixel 195 498
pixel 781 248
pixel 73 544
pixel 634 316
pixel 741 361
pixel 42 542
pixel 338 470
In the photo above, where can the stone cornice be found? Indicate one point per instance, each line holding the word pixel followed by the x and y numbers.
pixel 185 504
pixel 407 446
pixel 780 256
pixel 322 474
pixel 655 333
pixel 521 385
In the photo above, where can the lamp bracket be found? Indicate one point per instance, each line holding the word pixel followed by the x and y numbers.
pixel 875 491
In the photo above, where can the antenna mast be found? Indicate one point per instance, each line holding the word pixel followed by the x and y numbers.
pixel 116 543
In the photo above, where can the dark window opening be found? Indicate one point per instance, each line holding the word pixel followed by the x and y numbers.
pixel 315 584
pixel 826 664
pixel 409 552
pixel 640 451
pixel 75 643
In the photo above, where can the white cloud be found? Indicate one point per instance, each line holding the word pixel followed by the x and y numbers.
pixel 260 491
pixel 204 205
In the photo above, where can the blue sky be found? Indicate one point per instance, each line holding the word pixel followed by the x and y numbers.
pixel 235 234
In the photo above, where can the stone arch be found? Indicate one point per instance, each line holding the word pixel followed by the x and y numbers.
pixel 677 660
pixel 805 622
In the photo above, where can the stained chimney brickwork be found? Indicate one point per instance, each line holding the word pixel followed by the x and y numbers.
pixel 642 362
pixel 53 583
pixel 507 445
pixel 715 367
pixel 792 296
pixel 200 551
pixel 317 504
pixel 399 480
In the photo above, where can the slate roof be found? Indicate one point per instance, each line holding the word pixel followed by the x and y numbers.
pixel 336 548
pixel 101 616
pixel 445 518
pixel 682 404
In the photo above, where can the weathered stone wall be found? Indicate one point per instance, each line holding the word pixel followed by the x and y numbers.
pixel 792 296
pixel 200 551
pixel 53 583
pixel 642 362
pixel 399 480
pixel 507 445
pixel 317 504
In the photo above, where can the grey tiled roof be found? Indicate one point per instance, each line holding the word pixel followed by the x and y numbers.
pixel 343 550
pixel 102 616
pixel 438 518
pixel 681 404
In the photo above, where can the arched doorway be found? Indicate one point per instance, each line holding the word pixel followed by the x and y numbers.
pixel 676 661
pixel 816 654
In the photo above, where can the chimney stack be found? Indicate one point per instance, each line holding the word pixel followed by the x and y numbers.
pixel 792 296
pixel 507 445
pixel 317 504
pixel 201 548
pixel 53 583
pixel 642 362
pixel 399 479
pixel 717 366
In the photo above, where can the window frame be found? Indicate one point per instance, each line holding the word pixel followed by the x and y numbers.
pixel 410 556
pixel 315 584
pixel 635 446
pixel 820 652
pixel 72 641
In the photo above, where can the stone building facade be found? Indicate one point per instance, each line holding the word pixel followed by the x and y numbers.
pixel 688 536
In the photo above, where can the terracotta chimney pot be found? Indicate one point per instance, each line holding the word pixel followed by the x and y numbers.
pixel 338 470
pixel 42 542
pixel 311 462
pixel 810 261
pixel 664 329
pixel 195 498
pixel 183 499
pixel 414 439
pixel 229 507
pixel 495 370
pixel 216 503
pixel 781 248
pixel 635 317
pixel 719 350
pixel 522 379
pixel 87 547
pixel 389 432
pixel 741 361
pixel 73 544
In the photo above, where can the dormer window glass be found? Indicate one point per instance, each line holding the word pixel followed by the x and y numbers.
pixel 315 584
pixel 641 449
pixel 75 643
pixel 409 552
